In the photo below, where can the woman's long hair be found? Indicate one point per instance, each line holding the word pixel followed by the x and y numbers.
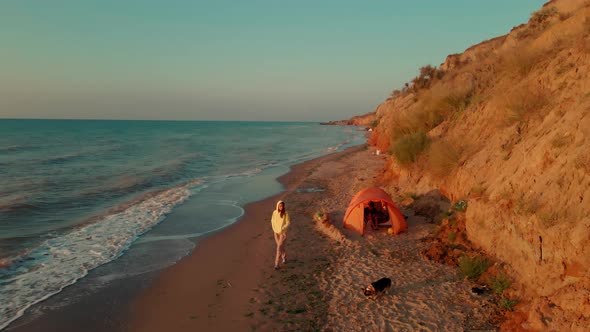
pixel 282 213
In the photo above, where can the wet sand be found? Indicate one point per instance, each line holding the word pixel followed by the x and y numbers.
pixel 220 286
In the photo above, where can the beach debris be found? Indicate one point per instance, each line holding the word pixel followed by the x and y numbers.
pixel 310 190
pixel 479 290
pixel 322 217
pixel 460 206
pixel 223 283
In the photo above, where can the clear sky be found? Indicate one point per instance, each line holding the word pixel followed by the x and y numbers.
pixel 304 60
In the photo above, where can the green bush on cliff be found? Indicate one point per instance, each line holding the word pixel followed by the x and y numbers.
pixel 500 283
pixel 473 267
pixel 507 304
pixel 407 149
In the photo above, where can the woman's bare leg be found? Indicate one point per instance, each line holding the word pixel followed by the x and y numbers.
pixel 280 239
pixel 283 250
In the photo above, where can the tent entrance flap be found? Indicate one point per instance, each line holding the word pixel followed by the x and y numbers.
pixel 355 218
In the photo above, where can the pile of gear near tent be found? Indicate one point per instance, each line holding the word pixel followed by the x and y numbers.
pixel 354 218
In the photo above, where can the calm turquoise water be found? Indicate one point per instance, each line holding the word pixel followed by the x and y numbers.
pixel 77 194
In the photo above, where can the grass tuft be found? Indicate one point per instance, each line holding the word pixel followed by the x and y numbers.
pixel 460 206
pixel 548 218
pixel 500 283
pixel 452 236
pixel 524 101
pixel 473 267
pixel 443 158
pixel 523 61
pixel 408 148
pixel 526 206
pixel 507 304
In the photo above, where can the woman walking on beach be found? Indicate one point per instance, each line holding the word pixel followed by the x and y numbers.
pixel 280 222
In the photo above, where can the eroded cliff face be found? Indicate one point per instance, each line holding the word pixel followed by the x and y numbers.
pixel 366 120
pixel 507 128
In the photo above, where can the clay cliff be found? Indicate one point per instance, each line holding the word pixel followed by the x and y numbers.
pixel 505 127
pixel 367 120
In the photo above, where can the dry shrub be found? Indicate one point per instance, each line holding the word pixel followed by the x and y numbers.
pixel 404 123
pixel 436 104
pixel 524 100
pixel 548 218
pixel 458 101
pixel 560 140
pixel 396 93
pixel 541 17
pixel 521 61
pixel 538 22
pixel 408 148
pixel 443 158
pixel 429 118
pixel 428 74
pixel 447 99
pixel 526 206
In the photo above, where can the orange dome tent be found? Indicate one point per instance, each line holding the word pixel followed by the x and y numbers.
pixel 354 218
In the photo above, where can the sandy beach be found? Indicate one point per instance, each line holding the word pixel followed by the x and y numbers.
pixel 228 282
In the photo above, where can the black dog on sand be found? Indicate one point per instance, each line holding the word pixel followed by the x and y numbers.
pixel 377 288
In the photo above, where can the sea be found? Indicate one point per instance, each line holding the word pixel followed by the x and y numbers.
pixel 78 194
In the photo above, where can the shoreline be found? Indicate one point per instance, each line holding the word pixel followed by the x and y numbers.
pixel 108 309
pixel 228 282
pixel 215 287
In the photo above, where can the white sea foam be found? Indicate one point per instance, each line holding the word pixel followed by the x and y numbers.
pixel 184 236
pixel 237 160
pixel 61 261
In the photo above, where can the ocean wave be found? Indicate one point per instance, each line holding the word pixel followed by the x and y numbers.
pixel 16 205
pixel 53 160
pixel 14 148
pixel 9 148
pixel 184 236
pixel 125 184
pixel 175 167
pixel 62 260
pixel 136 180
